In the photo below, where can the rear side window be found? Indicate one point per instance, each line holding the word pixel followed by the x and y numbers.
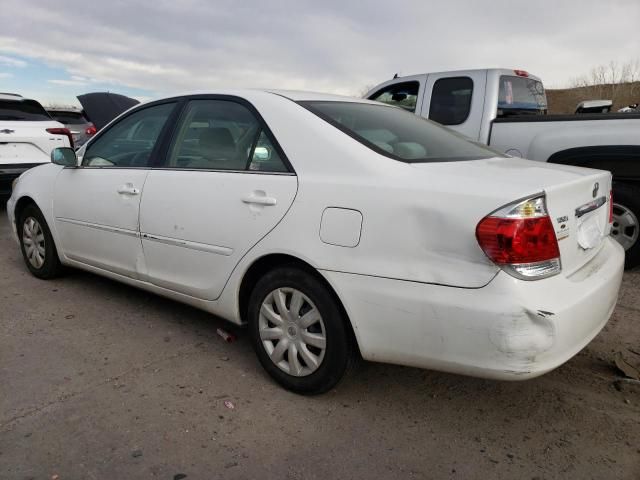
pixel 399 134
pixel 23 110
pixel 68 118
pixel 222 135
pixel 130 141
pixel 404 95
pixel 451 100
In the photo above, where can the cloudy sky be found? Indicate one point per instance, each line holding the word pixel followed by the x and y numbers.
pixel 53 51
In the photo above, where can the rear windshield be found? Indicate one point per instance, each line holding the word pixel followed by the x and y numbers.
pixel 521 96
pixel 68 118
pixel 25 110
pixel 398 134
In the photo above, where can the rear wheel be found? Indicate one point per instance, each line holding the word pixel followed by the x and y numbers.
pixel 299 332
pixel 626 225
pixel 38 250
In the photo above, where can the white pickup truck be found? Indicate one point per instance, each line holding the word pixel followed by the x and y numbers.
pixel 27 136
pixel 507 109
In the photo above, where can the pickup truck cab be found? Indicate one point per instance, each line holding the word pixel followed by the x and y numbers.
pixel 507 109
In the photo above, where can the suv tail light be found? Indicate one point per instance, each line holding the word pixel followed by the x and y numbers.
pixel 520 238
pixel 91 130
pixel 62 131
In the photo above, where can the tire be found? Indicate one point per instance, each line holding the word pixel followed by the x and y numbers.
pixel 626 217
pixel 313 370
pixel 41 259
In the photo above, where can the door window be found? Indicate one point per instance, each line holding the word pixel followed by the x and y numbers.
pixel 404 95
pixel 223 135
pixel 451 100
pixel 129 142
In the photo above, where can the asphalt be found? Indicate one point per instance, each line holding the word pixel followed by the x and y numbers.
pixel 101 381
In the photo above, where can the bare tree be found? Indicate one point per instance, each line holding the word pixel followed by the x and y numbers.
pixel 613 81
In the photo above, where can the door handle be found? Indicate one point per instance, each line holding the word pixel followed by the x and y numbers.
pixel 260 200
pixel 129 189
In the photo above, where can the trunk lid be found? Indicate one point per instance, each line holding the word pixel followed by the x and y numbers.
pixel 580 224
pixel 28 142
pixel 579 211
pixel 102 107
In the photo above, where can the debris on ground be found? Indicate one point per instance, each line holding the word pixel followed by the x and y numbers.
pixel 136 453
pixel 628 362
pixel 226 336
pixel 179 476
pixel 229 404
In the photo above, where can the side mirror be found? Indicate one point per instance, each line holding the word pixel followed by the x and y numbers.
pixel 64 156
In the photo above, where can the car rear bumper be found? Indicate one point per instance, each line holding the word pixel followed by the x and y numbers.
pixel 9 172
pixel 510 329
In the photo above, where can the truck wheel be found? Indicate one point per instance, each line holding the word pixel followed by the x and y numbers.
pixel 626 224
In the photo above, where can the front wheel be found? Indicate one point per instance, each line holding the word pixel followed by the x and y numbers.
pixel 626 226
pixel 299 332
pixel 38 250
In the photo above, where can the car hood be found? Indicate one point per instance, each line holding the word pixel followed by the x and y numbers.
pixel 102 107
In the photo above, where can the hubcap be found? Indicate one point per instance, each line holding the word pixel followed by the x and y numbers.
pixel 292 332
pixel 625 228
pixel 33 241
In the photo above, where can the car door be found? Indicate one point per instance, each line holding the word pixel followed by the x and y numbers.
pixel 456 101
pixel 96 205
pixel 224 185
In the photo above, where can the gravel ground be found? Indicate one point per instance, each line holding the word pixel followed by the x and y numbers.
pixel 102 381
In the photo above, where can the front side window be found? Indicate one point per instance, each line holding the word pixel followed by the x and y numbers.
pixel 404 95
pixel 129 142
pixel 399 134
pixel 222 135
pixel 451 100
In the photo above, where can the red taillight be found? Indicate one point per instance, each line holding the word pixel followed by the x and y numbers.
pixel 610 206
pixel 90 130
pixel 520 238
pixel 521 73
pixel 62 131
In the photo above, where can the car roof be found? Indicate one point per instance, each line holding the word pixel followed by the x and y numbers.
pixel 304 96
pixel 249 93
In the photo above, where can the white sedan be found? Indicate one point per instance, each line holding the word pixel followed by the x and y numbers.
pixel 334 228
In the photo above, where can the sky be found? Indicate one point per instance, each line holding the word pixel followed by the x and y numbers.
pixel 149 49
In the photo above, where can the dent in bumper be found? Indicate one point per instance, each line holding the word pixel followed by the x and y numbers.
pixel 510 329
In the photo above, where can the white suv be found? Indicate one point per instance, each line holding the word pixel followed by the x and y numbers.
pixel 27 137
